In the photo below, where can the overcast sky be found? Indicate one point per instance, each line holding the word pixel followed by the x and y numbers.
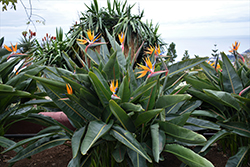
pixel 179 20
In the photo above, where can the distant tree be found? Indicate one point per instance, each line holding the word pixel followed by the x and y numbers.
pixel 215 54
pixel 172 52
pixel 28 10
pixel 185 55
pixel 11 3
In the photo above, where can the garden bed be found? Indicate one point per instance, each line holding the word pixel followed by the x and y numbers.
pixel 60 156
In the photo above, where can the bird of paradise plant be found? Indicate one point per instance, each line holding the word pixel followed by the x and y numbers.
pixel 13 50
pixel 149 67
pixel 91 40
pixel 113 87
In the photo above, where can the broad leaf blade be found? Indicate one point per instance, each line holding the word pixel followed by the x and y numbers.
pixel 128 140
pixel 231 81
pixel 236 160
pixel 122 116
pixel 7 143
pixel 239 128
pixel 184 65
pixel 223 97
pixel 142 89
pixel 40 145
pixel 182 134
pixel 146 116
pixel 214 138
pixel 169 100
pixel 76 141
pixel 119 153
pixel 136 158
pixel 187 156
pixel 96 129
pixel 103 94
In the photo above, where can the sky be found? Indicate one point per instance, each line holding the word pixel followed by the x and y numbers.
pixel 192 25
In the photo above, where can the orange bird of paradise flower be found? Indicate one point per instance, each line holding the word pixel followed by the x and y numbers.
pixel 13 50
pixel 91 40
pixel 234 47
pixel 69 89
pixel 121 37
pixel 113 88
pixel 149 67
pixel 234 50
pixel 156 50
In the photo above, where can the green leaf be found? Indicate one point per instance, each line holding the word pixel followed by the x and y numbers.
pixel 187 156
pixel 199 84
pixel 22 77
pixel 132 107
pixel 88 111
pixel 155 141
pixel 149 98
pixel 136 159
pixel 231 81
pixel 6 88
pixel 210 72
pixel 122 116
pixel 103 94
pixel 147 116
pixel 220 134
pixel 181 119
pixel 124 91
pixel 128 140
pixel 48 81
pixel 169 100
pixel 111 68
pixel 15 93
pixel 75 161
pixel 203 123
pixel 182 134
pixel 7 143
pixel 204 113
pixel 22 142
pixel 119 153
pixel 239 128
pixel 189 106
pixel 76 141
pixel 120 56
pixel 96 129
pixel 184 65
pixel 202 96
pixel 40 145
pixel 237 159
pixel 223 97
pixel 174 108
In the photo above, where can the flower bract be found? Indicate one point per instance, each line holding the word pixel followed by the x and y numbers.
pixel 113 88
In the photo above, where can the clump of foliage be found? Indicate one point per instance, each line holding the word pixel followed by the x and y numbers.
pixel 118 117
pixel 225 95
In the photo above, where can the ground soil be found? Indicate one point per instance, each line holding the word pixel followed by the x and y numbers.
pixel 61 155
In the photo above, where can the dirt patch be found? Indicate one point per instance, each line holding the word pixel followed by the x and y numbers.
pixel 58 156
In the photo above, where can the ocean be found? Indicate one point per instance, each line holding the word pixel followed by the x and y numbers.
pixel 202 46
